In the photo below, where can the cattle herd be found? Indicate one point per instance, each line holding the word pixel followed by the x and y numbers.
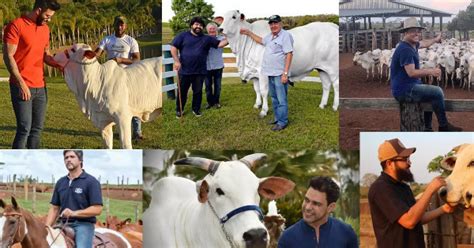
pixel 454 58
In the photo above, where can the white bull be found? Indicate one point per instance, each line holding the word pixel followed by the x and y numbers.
pixel 460 183
pixel 183 213
pixel 109 94
pixel 314 49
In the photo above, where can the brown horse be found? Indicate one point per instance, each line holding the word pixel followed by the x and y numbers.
pixel 17 225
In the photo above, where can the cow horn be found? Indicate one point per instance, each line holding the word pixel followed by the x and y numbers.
pixel 252 159
pixel 208 165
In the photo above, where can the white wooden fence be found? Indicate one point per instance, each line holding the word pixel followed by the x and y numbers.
pixel 168 74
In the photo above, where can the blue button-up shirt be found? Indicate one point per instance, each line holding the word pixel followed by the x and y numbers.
pixel 276 48
pixel 332 234
pixel 214 58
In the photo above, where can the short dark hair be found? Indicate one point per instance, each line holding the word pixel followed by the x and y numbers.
pixel 326 185
pixel 78 153
pixel 47 4
pixel 197 19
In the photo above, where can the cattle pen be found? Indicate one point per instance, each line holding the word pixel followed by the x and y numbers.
pixel 236 124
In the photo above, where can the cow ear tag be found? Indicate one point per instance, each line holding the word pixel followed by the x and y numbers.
pixel 275 187
pixel 203 192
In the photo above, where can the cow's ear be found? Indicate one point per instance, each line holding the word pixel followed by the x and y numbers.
pixel 202 190
pixel 274 187
pixel 448 162
pixel 218 19
pixel 89 54
pixel 242 17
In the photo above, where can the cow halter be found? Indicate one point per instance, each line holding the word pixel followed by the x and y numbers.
pixel 66 52
pixel 231 214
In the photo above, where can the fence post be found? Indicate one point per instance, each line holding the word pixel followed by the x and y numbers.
pixel 411 117
pixel 14 184
pixel 25 187
pixel 33 206
pixel 374 39
pixel 169 67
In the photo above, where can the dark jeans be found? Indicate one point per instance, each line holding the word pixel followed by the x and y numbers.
pixel 30 116
pixel 194 81
pixel 213 81
pixel 428 93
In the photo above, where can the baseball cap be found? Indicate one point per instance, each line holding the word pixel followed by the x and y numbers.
pixel 274 18
pixel 120 19
pixel 394 148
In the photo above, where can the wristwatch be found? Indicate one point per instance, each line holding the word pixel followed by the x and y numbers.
pixel 285 73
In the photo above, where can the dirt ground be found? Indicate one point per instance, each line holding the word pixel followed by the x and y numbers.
pixel 353 83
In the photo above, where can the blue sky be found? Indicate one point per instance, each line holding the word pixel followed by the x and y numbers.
pixel 109 164
pixel 428 146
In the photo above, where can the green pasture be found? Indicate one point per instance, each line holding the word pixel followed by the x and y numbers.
pixel 237 126
pixel 120 208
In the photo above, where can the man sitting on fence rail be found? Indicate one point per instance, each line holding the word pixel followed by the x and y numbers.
pixel 397 217
pixel 193 47
pixel 406 73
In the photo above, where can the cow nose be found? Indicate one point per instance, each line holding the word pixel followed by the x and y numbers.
pixel 256 237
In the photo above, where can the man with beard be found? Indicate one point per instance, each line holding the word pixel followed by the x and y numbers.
pixel 77 199
pixel 317 228
pixel 397 217
pixel 191 64
pixel 25 49
pixel 124 50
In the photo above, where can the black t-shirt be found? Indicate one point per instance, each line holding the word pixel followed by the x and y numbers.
pixel 389 200
pixel 193 51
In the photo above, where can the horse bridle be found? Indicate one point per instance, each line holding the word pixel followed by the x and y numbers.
pixel 17 227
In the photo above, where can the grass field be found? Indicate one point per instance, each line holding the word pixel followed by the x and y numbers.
pixel 237 126
pixel 120 208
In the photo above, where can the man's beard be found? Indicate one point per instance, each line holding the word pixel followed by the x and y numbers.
pixel 404 175
pixel 197 30
pixel 39 21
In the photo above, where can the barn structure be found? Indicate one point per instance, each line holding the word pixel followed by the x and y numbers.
pixel 357 37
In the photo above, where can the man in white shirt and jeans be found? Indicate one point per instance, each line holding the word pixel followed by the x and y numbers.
pixel 124 50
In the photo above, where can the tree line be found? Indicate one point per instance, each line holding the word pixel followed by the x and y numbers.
pixel 463 22
pixel 88 21
pixel 185 10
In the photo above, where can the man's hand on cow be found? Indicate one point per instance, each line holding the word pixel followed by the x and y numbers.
pixel 438 38
pixel 447 208
pixel 244 31
pixel 118 60
pixel 25 92
pixel 68 213
pixel 435 184
pixel 176 66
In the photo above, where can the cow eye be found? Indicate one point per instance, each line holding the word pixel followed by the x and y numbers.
pixel 233 17
pixel 219 191
pixel 471 164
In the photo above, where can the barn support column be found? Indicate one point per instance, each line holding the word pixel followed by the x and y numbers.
pixel 365 23
pixel 432 22
pixel 441 24
pixel 370 23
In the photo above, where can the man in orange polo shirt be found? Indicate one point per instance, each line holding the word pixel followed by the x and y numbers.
pixel 25 50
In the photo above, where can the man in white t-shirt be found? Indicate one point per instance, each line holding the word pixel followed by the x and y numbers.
pixel 123 49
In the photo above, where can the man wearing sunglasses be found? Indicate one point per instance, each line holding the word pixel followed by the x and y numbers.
pixel 397 217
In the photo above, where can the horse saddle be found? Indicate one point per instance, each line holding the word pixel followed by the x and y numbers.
pixel 99 240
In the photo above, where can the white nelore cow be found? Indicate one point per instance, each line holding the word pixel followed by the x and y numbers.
pixel 109 94
pixel 222 210
pixel 314 49
pixel 460 183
